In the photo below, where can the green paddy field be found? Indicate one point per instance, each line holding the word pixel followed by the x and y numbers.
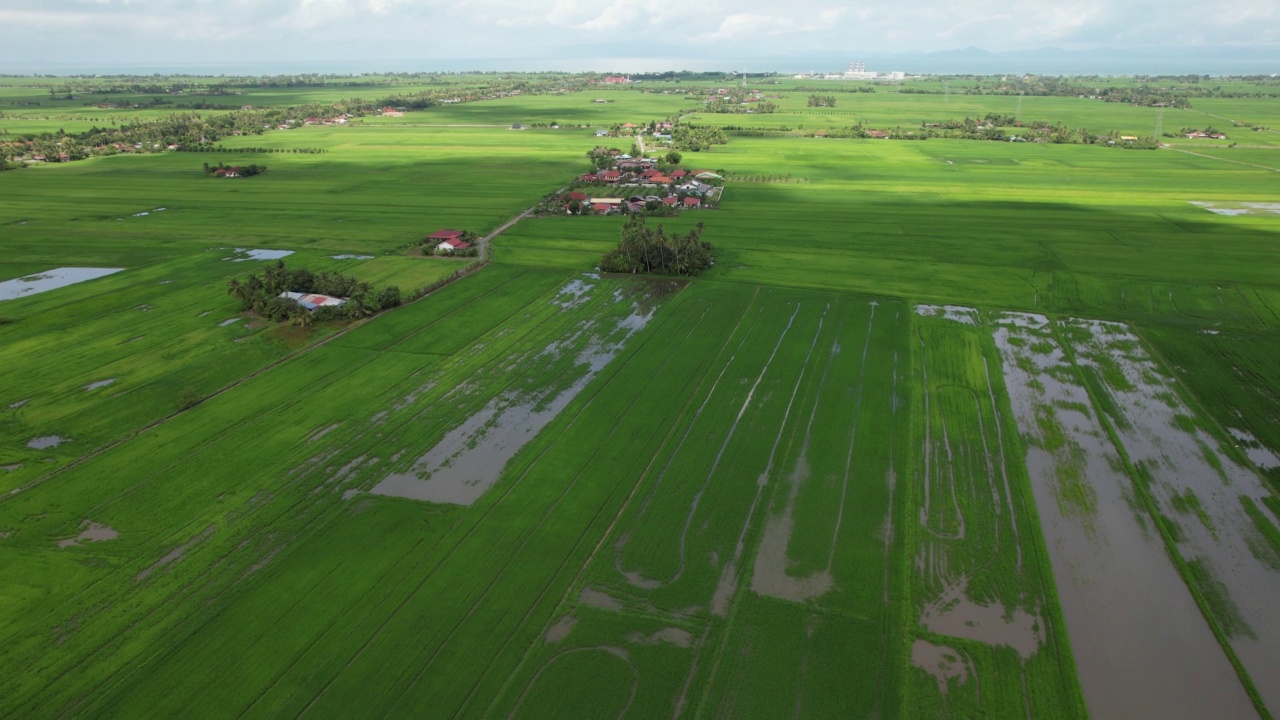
pixel 951 428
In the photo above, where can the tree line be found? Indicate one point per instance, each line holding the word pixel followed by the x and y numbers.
pixel 261 295
pixel 649 250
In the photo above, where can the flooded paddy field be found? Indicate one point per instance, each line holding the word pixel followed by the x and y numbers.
pixel 1119 592
pixel 825 480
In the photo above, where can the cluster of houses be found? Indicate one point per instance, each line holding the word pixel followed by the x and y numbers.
pixel 1202 135
pixel 636 185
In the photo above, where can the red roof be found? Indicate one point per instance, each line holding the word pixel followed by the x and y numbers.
pixel 445 235
pixel 692 202
pixel 679 174
pixel 601 207
pixel 669 200
pixel 663 179
pixel 456 244
pixel 610 174
pixel 575 196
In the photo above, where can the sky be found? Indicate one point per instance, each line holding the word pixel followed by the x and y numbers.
pixel 608 34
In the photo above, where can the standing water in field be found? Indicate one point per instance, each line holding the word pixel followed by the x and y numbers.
pixel 1141 645
pixel 602 316
pixel 50 280
pixel 1212 507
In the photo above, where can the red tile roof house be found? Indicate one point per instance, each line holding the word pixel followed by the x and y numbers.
pixel 449 246
pixel 571 196
pixel 445 235
pixel 601 208
pixel 670 200
pixel 677 174
pixel 692 202
pixel 610 175
pixel 448 240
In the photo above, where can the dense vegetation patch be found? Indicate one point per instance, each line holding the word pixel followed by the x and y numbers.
pixel 262 295
pixel 647 250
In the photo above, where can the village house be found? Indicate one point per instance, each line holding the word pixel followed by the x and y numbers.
pixel 449 246
pixel 311 301
pixel 447 240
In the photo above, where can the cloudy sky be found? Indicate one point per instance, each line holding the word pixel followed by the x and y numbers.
pixel 116 33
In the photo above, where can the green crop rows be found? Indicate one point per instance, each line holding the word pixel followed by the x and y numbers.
pixel 819 480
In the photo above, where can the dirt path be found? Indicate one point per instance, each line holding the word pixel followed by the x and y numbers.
pixel 1211 157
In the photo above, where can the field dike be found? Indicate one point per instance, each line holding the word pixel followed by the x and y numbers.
pixel 1200 493
pixel 468 460
pixel 1119 593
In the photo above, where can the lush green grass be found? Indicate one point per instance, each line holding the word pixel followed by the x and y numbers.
pixel 749 511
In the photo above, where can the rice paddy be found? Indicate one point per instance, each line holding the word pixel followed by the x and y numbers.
pixel 951 429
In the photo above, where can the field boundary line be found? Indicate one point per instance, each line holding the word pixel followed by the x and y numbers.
pixel 1212 157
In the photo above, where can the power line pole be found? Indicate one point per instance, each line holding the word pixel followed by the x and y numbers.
pixel 1017 114
pixel 1159 122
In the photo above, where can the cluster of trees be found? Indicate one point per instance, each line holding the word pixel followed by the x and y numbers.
pixel 734 105
pixel 261 295
pixel 822 101
pixel 244 171
pixel 263 150
pixel 693 138
pixel 646 250
pixel 194 131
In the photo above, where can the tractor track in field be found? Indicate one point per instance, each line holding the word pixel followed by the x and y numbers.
pixel 604 538
pixel 582 569
pixel 634 577
pixel 511 558
pixel 715 465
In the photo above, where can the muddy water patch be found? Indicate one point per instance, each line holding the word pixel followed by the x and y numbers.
pixel 598 599
pixel 46 441
pixel 1140 641
pixel 50 280
pixel 943 663
pixel 351 257
pixel 1258 454
pixel 471 457
pixel 229 321
pixel 241 254
pixel 90 532
pixel 1238 208
pixel 769 575
pixel 322 432
pixel 99 384
pixel 954 313
pixel 670 635
pixel 953 613
pixel 560 630
pixel 175 554
pixel 1187 470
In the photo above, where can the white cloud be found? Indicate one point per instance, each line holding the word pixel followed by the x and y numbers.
pixel 88 31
